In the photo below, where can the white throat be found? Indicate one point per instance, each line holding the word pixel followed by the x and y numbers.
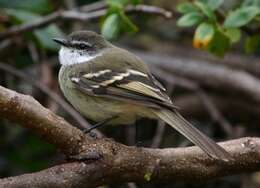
pixel 68 56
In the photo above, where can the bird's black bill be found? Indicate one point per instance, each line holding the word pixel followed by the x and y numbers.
pixel 60 41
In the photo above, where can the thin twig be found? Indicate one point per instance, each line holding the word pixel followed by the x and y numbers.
pixel 93 6
pixel 148 9
pixel 78 16
pixel 215 114
pixel 157 139
pixel 131 185
pixel 5 44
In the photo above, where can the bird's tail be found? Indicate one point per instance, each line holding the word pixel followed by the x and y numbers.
pixel 175 120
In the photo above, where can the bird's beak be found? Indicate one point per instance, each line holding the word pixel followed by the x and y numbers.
pixel 61 41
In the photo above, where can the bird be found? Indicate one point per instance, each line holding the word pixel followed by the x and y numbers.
pixel 110 85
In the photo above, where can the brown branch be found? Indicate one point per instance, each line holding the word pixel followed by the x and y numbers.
pixel 118 163
pixel 46 20
pixel 67 107
pixel 126 164
pixel 93 6
pixel 148 9
pixel 78 16
pixel 27 111
pixel 233 60
pixel 212 75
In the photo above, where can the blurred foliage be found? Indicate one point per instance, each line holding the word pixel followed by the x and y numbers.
pixel 44 36
pixel 218 30
pixel 116 22
pixel 36 6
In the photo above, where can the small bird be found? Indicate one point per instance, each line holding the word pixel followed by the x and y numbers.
pixel 110 85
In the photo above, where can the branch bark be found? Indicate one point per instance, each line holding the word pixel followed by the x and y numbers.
pixel 67 107
pixel 126 164
pixel 28 112
pixel 116 162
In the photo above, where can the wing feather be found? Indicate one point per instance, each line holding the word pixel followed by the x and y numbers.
pixel 128 85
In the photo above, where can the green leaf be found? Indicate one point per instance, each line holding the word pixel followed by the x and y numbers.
pixel 214 4
pixel 252 44
pixel 234 34
pixel 118 3
pixel 36 6
pixel 21 16
pixel 111 27
pixel 136 2
pixel 186 7
pixel 45 36
pixel 127 24
pixel 219 44
pixel 203 35
pixel 241 16
pixel 255 3
pixel 190 19
pixel 148 176
pixel 206 10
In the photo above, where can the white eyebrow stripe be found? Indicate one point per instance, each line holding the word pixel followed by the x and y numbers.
pixel 135 72
pixel 97 74
pixel 80 42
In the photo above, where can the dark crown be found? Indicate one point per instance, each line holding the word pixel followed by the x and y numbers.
pixel 89 37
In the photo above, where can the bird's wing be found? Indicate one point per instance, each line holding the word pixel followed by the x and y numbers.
pixel 131 85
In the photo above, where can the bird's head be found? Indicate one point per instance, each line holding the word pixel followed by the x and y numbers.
pixel 80 47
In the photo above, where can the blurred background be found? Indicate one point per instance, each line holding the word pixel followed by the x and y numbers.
pixel 205 52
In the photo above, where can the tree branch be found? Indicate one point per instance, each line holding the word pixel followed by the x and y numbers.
pixel 27 111
pixel 78 16
pixel 124 164
pixel 118 163
pixel 67 107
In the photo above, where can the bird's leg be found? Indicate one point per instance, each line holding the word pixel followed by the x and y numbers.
pixel 137 131
pixel 99 124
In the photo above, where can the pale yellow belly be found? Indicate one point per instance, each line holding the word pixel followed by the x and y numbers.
pixel 99 108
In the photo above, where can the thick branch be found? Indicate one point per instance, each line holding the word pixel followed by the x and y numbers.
pixel 67 107
pixel 124 164
pixel 118 163
pixel 27 111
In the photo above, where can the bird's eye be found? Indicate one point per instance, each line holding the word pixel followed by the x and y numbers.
pixel 82 46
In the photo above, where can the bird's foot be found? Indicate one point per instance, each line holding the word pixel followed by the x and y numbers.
pixel 94 135
pixel 138 144
pixel 90 133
